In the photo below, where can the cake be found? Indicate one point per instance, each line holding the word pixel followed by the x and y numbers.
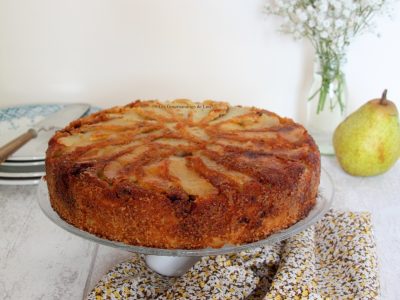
pixel 182 174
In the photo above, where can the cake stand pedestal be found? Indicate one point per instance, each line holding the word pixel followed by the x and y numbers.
pixel 175 262
pixel 170 265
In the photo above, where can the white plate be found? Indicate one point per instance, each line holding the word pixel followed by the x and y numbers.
pixel 16 120
pixel 5 175
pixel 18 181
pixel 22 171
pixel 23 163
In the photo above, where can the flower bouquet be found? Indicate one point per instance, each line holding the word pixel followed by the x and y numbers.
pixel 329 25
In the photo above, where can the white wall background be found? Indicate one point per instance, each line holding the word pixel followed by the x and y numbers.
pixel 110 52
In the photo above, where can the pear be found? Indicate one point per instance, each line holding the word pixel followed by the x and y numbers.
pixel 367 142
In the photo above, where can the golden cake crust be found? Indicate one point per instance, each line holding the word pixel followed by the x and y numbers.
pixel 182 175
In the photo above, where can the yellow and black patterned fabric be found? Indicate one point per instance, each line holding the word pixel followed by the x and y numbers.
pixel 334 259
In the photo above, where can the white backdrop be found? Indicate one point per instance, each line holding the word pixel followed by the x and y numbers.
pixel 110 52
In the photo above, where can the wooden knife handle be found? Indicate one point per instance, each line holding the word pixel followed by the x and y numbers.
pixel 16 143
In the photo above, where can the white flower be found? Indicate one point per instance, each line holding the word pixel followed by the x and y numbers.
pixel 339 24
pixel 301 15
pixel 326 24
pixel 323 7
pixel 337 5
pixel 320 20
pixel 346 13
pixel 324 34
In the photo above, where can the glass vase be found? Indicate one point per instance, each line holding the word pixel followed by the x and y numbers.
pixel 326 105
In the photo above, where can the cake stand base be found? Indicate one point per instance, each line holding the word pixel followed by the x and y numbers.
pixel 171 265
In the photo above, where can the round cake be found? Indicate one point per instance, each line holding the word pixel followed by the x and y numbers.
pixel 182 174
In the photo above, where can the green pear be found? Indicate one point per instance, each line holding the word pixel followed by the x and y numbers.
pixel 367 142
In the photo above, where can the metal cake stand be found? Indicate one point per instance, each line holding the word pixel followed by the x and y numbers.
pixel 175 262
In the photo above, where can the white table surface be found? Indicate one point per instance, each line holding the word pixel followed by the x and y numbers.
pixel 38 260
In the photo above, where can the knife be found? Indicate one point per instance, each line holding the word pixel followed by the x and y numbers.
pixel 59 119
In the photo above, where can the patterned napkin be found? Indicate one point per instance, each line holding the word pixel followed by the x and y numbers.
pixel 334 259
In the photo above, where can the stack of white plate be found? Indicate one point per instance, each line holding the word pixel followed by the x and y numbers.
pixel 26 166
pixel 21 172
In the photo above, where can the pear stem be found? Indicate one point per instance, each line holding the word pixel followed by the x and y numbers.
pixel 383 100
